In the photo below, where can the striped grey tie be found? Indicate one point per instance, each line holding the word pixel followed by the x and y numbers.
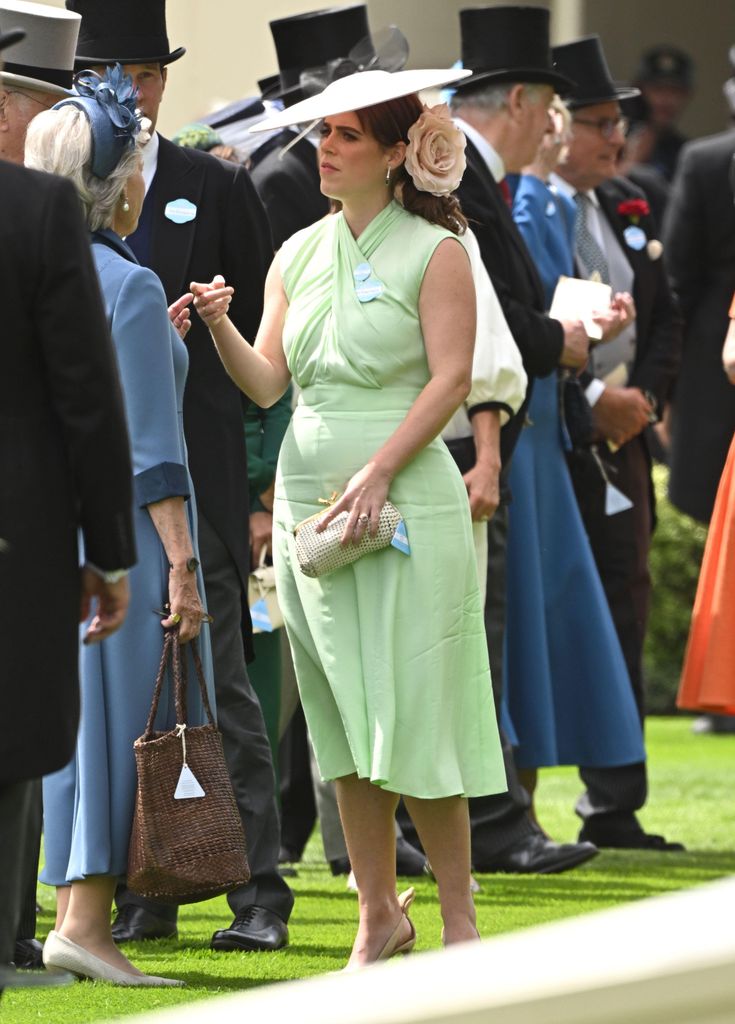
pixel 590 254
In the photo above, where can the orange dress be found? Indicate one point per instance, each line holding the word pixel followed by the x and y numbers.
pixel 708 678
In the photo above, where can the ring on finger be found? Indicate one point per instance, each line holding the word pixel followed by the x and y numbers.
pixel 364 518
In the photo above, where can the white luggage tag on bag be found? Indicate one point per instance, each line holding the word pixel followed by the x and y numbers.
pixel 187 788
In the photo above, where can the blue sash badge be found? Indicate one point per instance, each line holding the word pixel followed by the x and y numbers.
pixel 400 539
pixel 261 618
pixel 635 237
pixel 180 211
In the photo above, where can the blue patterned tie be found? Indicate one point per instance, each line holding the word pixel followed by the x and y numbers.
pixel 590 254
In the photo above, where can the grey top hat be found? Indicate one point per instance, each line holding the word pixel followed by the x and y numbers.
pixel 45 58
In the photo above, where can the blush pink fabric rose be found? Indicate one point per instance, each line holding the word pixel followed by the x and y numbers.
pixel 435 153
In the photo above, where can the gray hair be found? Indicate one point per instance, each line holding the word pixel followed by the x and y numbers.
pixel 491 99
pixel 60 142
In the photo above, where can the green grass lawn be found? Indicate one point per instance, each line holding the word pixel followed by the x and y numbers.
pixel 691 800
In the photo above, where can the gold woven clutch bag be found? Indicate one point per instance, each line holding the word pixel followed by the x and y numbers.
pixel 322 553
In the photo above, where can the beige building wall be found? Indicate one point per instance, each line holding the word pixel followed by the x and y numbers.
pixel 229 44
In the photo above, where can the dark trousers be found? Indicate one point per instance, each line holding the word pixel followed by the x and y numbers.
pixel 247 750
pixel 18 849
pixel 501 820
pixel 620 544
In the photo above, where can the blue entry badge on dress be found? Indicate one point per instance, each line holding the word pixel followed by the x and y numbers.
pixel 400 539
pixel 180 211
pixel 261 618
pixel 367 287
pixel 635 237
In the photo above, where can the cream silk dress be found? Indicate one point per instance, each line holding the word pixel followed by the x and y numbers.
pixel 390 652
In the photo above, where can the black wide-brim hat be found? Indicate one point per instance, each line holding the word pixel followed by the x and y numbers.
pixel 14 35
pixel 312 40
pixel 508 44
pixel 584 62
pixel 124 31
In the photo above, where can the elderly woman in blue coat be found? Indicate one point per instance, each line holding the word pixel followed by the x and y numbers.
pixel 93 138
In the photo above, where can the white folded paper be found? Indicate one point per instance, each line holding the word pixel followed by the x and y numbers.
pixel 576 299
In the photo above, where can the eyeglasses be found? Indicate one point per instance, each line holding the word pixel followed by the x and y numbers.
pixel 606 126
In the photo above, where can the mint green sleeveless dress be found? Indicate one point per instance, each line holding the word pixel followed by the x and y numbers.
pixel 390 652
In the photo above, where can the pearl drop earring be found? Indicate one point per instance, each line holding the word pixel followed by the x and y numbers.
pixel 125 204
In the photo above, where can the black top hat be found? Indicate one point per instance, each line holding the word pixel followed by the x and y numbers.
pixel 312 40
pixel 584 62
pixel 13 35
pixel 666 64
pixel 133 32
pixel 507 44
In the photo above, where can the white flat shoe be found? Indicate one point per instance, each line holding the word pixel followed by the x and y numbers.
pixel 61 954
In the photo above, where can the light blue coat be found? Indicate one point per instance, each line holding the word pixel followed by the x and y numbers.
pixel 88 806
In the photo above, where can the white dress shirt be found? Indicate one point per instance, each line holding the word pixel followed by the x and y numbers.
pixel 149 153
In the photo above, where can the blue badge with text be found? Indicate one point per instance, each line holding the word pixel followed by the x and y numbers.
pixel 367 287
pixel 400 539
pixel 635 237
pixel 261 618
pixel 180 211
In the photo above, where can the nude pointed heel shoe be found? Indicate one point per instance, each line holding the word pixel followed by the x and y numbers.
pixel 61 954
pixel 392 946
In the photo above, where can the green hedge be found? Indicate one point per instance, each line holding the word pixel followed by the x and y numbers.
pixel 676 555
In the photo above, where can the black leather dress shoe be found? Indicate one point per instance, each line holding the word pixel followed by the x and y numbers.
pixel 612 838
pixel 28 955
pixel 536 855
pixel 340 866
pixel 133 923
pixel 255 929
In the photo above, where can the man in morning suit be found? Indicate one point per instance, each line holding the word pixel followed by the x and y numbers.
pixel 699 240
pixel 201 217
pixel 615 239
pixel 503 110
pixel 65 464
pixel 37 75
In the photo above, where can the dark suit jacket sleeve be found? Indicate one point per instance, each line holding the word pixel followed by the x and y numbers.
pixel 539 338
pixel 248 252
pixel 685 234
pixel 83 382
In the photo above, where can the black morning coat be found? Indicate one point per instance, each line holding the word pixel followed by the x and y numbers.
pixel 64 464
pixel 289 185
pixel 658 324
pixel 540 339
pixel 699 235
pixel 227 235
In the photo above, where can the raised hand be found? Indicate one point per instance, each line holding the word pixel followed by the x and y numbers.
pixel 212 301
pixel 178 314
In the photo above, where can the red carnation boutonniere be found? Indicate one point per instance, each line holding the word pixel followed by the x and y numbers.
pixel 634 209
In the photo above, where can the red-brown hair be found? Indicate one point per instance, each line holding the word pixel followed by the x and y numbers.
pixel 388 123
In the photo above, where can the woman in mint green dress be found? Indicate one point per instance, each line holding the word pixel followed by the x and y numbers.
pixel 372 311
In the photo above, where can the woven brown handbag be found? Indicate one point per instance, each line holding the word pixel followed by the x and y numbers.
pixel 190 849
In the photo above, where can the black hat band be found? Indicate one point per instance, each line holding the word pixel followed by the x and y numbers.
pixel 53 76
pixel 124 47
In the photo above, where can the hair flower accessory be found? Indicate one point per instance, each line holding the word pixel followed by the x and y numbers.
pixel 109 103
pixel 435 157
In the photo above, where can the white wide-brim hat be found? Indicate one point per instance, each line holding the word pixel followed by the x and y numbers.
pixel 363 89
pixel 44 59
